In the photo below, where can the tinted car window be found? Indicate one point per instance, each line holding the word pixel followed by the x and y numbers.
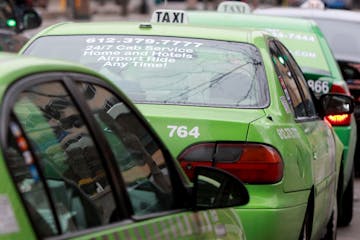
pixel 153 69
pixel 287 81
pixel 138 157
pixel 309 105
pixel 62 163
pixel 60 171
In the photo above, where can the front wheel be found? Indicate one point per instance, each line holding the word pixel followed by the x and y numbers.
pixel 305 233
pixel 331 227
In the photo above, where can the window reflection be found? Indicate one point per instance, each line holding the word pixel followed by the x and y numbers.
pixel 68 160
pixel 137 155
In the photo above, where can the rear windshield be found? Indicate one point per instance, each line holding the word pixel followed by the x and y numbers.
pixel 168 70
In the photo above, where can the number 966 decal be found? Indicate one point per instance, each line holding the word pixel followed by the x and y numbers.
pixel 183 131
pixel 318 86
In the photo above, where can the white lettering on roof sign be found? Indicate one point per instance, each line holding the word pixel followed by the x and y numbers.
pixel 169 16
pixel 233 7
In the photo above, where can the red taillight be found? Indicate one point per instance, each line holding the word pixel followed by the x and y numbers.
pixel 343 119
pixel 337 88
pixel 251 163
pixel 339 120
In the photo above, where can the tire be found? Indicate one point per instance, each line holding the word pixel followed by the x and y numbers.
pixel 346 204
pixel 305 233
pixel 331 227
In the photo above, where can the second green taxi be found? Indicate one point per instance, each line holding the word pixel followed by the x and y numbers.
pixel 311 51
pixel 231 99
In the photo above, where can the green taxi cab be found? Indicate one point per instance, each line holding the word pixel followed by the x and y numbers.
pixel 311 51
pixel 227 98
pixel 78 161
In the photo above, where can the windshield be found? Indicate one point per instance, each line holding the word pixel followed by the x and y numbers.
pixel 168 70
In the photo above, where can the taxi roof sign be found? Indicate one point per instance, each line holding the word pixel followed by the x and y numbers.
pixel 234 7
pixel 313 4
pixel 169 16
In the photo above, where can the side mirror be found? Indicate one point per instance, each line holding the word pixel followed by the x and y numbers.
pixel 336 104
pixel 215 188
pixel 30 19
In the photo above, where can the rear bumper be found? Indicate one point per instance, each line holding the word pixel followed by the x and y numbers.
pixel 274 217
pixel 276 224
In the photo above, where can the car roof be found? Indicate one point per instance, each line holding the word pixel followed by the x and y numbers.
pixel 291 25
pixel 338 14
pixel 13 67
pixel 155 29
pixel 257 21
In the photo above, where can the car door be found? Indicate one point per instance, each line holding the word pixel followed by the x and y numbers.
pixel 86 166
pixel 318 134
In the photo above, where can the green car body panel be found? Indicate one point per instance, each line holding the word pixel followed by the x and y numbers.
pixel 275 211
pixel 309 47
pixel 16 223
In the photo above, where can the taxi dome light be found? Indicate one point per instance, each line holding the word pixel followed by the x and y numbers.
pixel 339 120
pixel 233 7
pixel 313 4
pixel 251 163
pixel 11 22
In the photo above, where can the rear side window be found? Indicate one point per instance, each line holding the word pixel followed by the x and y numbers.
pixel 292 81
pixel 302 84
pixel 168 70
pixel 287 81
pixel 60 170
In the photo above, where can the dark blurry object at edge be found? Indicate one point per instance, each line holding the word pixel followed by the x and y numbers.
pixel 15 18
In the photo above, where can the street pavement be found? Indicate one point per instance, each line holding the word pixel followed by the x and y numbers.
pixel 352 232
pixel 55 13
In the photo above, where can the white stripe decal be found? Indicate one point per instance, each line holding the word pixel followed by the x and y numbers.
pixel 165 230
pixel 188 226
pixel 173 227
pixel 214 216
pixel 208 224
pixel 148 234
pixel 180 226
pixel 127 234
pixel 137 233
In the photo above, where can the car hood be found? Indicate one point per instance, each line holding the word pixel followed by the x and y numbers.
pixel 181 126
